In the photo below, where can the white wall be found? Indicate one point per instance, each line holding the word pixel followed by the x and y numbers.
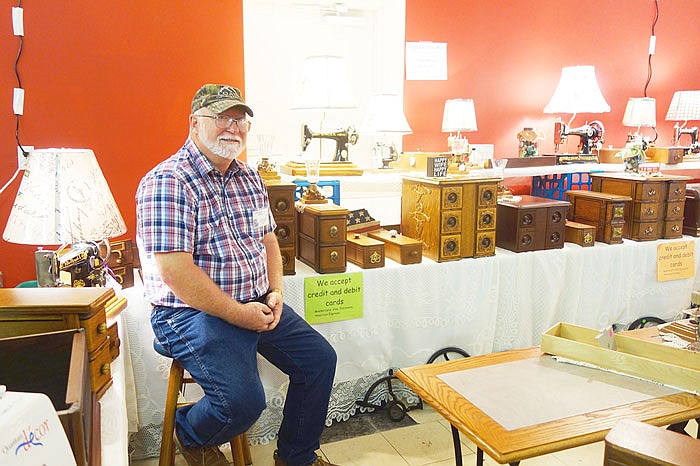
pixel 279 34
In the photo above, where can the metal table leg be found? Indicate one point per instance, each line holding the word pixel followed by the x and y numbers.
pixel 457 445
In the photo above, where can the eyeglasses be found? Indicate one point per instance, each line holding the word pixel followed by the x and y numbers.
pixel 225 122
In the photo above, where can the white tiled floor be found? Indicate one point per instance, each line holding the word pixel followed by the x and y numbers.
pixel 429 442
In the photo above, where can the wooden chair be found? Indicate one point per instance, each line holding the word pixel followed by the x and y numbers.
pixel 240 450
pixel 636 443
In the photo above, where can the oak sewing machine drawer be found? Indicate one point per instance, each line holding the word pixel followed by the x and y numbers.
pixel 530 223
pixel 691 219
pixel 655 210
pixel 604 211
pixel 399 248
pixel 579 233
pixel 281 196
pixel 453 217
pixel 123 257
pixel 670 155
pixel 322 236
pixel 363 251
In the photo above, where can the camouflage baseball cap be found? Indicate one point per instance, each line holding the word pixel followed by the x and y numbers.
pixel 218 98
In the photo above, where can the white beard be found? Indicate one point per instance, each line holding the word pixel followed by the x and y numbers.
pixel 222 149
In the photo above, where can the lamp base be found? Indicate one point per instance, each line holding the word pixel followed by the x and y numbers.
pixel 327 169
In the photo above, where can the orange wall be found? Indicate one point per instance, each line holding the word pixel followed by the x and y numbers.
pixel 117 77
pixel 113 76
pixel 507 55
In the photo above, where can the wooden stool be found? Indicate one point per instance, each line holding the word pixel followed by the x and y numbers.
pixel 240 449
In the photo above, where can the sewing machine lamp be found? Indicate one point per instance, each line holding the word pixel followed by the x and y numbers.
pixel 685 107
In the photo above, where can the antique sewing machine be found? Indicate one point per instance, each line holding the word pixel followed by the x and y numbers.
pixel 591 137
pixel 678 131
pixel 80 265
pixel 342 138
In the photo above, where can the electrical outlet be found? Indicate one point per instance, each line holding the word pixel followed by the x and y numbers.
pixel 21 158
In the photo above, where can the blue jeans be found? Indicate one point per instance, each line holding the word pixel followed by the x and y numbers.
pixel 222 360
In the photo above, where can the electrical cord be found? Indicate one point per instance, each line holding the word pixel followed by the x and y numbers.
pixel 19 85
pixel 653 34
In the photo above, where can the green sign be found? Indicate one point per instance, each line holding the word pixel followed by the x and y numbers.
pixel 330 298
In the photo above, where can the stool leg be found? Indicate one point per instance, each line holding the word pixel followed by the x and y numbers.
pixel 167 446
pixel 249 458
pixel 237 451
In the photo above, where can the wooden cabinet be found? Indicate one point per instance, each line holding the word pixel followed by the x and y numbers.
pixel 281 197
pixel 453 217
pixel 531 223
pixel 606 212
pixel 322 236
pixel 657 205
pixel 123 258
pixel 28 311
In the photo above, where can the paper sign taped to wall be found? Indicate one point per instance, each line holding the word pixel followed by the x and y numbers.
pixel 426 61
pixel 675 260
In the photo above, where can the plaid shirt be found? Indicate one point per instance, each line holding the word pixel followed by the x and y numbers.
pixel 185 204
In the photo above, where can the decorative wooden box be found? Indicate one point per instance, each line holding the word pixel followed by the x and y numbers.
pixel 281 197
pixel 365 252
pixel 606 212
pixel 656 209
pixel 530 223
pixel 691 220
pixel 399 248
pixel 322 236
pixel 665 154
pixel 453 217
pixel 579 233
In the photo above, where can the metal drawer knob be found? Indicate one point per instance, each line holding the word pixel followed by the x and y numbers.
pixel 487 219
pixel 650 211
pixel 333 231
pixel 556 217
pixel 450 246
pixel 649 230
pixel 451 222
pixel 677 210
pixel 652 192
pixel 104 369
pixel 555 237
pixel 488 195
pixel 282 206
pixel 283 232
pixel 675 228
pixel 486 242
pixel 102 328
pixel 527 219
pixel 526 240
pixel 335 256
pixel 678 192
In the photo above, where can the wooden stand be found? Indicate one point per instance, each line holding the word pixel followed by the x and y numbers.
pixel 327 169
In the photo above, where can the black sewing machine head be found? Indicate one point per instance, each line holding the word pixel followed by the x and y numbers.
pixel 679 131
pixel 591 136
pixel 342 138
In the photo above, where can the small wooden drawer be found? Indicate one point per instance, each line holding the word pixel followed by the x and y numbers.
pixel 288 259
pixel 323 259
pixel 451 221
pixel 124 275
pixel 100 369
pixel 486 219
pixel 487 195
pixel 452 197
pixel 665 154
pixel 281 197
pixel 95 330
pixel 643 231
pixel 644 211
pixel 580 233
pixel 285 231
pixel 122 253
pixel 365 252
pixel 399 248
pixel 673 229
pixel 485 243
pixel 113 339
pixel 676 191
pixel 674 209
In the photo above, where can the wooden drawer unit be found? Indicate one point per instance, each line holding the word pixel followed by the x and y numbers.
pixel 123 258
pixel 669 155
pixel 691 219
pixel 606 212
pixel 399 248
pixel 322 236
pixel 281 197
pixel 531 224
pixel 452 217
pixel 25 311
pixel 656 208
pixel 365 252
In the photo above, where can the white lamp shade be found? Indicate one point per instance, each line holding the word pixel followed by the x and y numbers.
pixel 63 198
pixel 459 115
pixel 324 84
pixel 685 106
pixel 385 115
pixel 577 92
pixel 640 112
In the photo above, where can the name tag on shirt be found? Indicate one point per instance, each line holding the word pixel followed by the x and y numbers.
pixel 260 218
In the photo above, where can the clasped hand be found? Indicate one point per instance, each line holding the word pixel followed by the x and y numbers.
pixel 260 317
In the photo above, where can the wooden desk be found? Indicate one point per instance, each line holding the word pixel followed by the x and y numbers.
pixel 512 446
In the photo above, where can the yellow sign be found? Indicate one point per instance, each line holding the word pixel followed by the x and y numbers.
pixel 675 261
pixel 330 298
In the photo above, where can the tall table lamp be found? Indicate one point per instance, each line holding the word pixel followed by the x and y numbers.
pixel 640 112
pixel 386 119
pixel 685 107
pixel 64 200
pixel 459 116
pixel 578 92
pixel 325 86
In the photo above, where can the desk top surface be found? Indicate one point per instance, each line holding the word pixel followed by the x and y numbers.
pixel 514 445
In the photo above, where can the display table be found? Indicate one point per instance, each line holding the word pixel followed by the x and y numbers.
pixel 480 305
